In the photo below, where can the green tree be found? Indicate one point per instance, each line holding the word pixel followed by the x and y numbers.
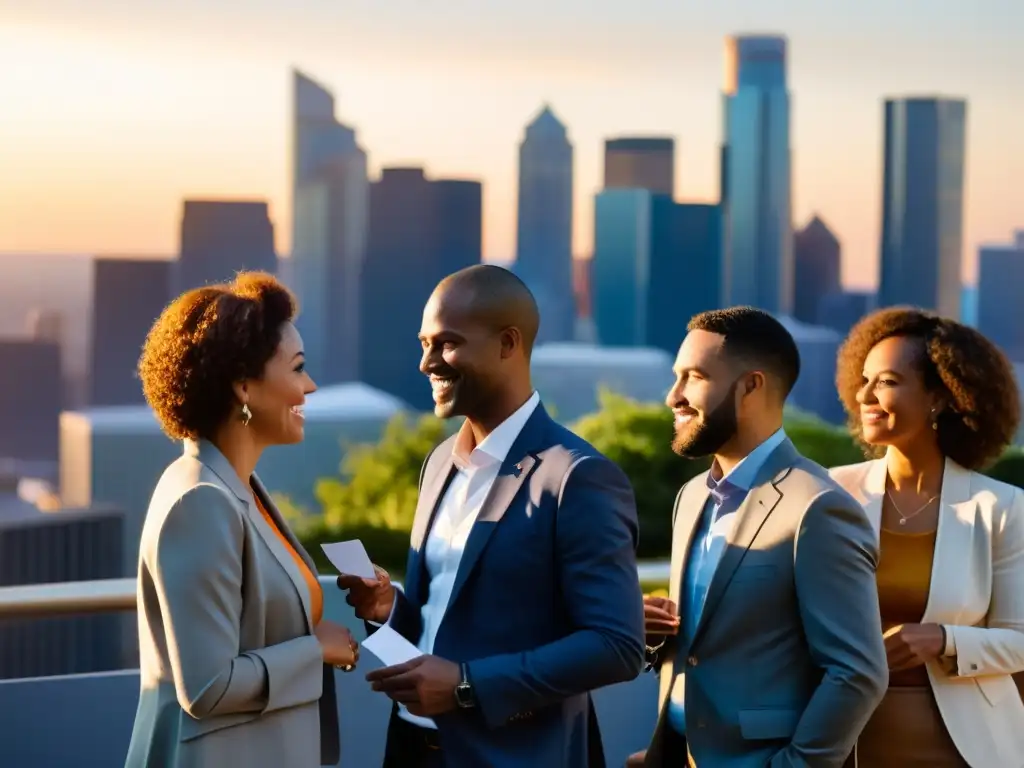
pixel 379 482
pixel 374 498
pixel 637 436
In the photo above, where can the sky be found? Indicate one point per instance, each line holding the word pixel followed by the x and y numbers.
pixel 113 111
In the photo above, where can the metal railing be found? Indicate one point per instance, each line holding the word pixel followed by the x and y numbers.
pixel 77 597
pixel 68 597
pixel 71 597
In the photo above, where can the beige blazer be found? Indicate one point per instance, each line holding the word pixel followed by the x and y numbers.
pixel 230 673
pixel 977 593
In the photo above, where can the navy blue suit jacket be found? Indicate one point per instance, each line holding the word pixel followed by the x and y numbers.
pixel 546 605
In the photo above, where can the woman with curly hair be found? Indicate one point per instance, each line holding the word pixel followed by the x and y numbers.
pixel 236 661
pixel 935 402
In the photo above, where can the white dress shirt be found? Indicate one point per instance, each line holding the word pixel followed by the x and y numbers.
pixel 477 469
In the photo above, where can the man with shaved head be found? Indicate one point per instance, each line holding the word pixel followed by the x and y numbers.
pixel 521 590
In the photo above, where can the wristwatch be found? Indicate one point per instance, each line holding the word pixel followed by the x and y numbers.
pixel 464 690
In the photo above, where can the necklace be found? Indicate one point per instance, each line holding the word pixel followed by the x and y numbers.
pixel 915 513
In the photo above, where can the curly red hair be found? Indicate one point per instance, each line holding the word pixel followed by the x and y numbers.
pixel 974 378
pixel 204 342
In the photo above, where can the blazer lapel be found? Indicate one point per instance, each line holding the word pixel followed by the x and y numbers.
pixel 268 503
pixel 956 520
pixel 515 469
pixel 762 498
pixel 209 455
pixel 692 500
pixel 280 551
pixel 957 516
pixel 429 499
pixel 874 486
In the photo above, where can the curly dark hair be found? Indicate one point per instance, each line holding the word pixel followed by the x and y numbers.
pixel 976 381
pixel 206 340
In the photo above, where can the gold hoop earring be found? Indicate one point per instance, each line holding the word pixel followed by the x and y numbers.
pixel 246 415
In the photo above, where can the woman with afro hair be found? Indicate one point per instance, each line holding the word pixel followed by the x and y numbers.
pixel 934 402
pixel 236 660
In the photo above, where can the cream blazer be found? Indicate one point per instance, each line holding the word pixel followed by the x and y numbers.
pixel 977 594
pixel 231 673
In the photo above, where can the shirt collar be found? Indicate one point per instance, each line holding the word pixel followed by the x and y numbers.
pixel 494 448
pixel 743 474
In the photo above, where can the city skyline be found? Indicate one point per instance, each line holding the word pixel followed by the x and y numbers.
pixel 154 121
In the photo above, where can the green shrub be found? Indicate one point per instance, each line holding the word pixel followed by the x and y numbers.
pixel 374 499
pixel 638 437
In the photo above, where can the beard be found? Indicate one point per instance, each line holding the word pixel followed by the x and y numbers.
pixel 715 429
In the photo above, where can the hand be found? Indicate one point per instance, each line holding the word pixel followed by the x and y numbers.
pixel 426 684
pixel 339 647
pixel 660 616
pixel 911 645
pixel 372 598
pixel 636 760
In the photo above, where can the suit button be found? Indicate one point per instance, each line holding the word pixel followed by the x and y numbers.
pixel 692 661
pixel 701 724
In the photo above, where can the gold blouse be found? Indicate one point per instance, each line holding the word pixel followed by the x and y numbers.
pixel 904 579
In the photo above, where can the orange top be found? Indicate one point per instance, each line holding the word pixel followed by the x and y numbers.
pixel 316 592
pixel 904 578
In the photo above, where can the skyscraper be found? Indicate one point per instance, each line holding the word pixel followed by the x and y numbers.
pixel 30 399
pixel 220 238
pixel 685 272
pixel 656 264
pixel 641 162
pixel 923 203
pixel 818 265
pixel 619 269
pixel 128 295
pixel 421 230
pixel 1000 310
pixel 330 204
pixel 544 226
pixel 756 167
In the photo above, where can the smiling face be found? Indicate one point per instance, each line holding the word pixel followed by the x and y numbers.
pixel 462 356
pixel 703 398
pixel 276 399
pixel 896 408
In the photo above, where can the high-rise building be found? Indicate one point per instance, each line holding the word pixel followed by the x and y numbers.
pixel 544 226
pixel 619 270
pixel 684 277
pixel 45 325
pixel 641 162
pixel 220 238
pixel 923 203
pixel 842 310
pixel 1000 309
pixel 50 325
pixel 30 399
pixel 421 230
pixel 656 264
pixel 128 296
pixel 756 183
pixel 818 260
pixel 330 204
pixel 56 547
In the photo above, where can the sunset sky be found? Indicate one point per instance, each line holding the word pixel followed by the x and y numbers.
pixel 112 111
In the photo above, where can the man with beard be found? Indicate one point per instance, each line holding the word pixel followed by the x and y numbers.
pixel 774 657
pixel 521 589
